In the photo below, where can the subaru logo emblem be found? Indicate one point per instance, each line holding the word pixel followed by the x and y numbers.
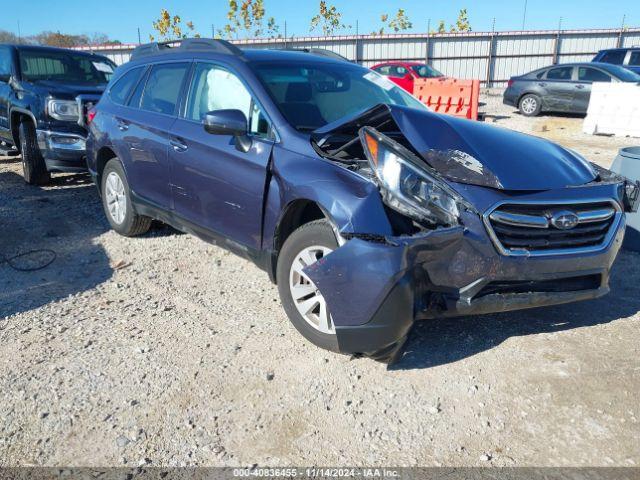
pixel 564 220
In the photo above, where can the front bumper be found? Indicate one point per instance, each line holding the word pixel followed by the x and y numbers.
pixel 377 287
pixel 63 151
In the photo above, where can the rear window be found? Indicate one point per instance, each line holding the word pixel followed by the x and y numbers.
pixel 120 90
pixel 635 59
pixel 616 57
pixel 162 88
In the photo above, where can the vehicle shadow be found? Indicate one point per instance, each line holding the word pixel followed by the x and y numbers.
pixel 63 220
pixel 439 342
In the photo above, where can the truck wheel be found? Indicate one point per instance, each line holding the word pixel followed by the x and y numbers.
pixel 33 167
pixel 116 199
pixel 303 303
pixel 530 105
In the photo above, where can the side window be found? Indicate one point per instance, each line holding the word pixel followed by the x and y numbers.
pixel 119 92
pixel 614 56
pixel 384 70
pixel 561 73
pixel 635 58
pixel 215 88
pixel 586 74
pixel 398 71
pixel 539 75
pixel 162 88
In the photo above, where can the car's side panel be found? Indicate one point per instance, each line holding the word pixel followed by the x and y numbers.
pixel 352 203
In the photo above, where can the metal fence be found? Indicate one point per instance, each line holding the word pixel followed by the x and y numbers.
pixel 492 57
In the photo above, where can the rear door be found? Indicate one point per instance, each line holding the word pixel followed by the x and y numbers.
pixel 582 93
pixel 144 126
pixel 559 89
pixel 216 186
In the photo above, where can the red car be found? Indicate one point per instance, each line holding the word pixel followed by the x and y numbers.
pixel 405 73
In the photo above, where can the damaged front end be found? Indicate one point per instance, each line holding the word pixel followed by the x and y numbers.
pixel 440 180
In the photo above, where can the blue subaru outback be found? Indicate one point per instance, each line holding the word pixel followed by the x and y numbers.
pixel 368 210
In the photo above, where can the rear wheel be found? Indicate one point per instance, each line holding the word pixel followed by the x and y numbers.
pixel 302 301
pixel 116 199
pixel 34 168
pixel 530 105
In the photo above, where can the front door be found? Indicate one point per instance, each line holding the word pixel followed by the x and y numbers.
pixel 215 185
pixel 582 93
pixel 5 91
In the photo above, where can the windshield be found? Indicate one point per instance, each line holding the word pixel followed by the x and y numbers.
pixel 64 67
pixel 623 74
pixel 425 71
pixel 311 96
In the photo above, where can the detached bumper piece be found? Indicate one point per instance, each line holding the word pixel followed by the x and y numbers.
pixel 62 151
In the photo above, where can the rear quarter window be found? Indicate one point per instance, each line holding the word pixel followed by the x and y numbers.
pixel 120 90
pixel 635 59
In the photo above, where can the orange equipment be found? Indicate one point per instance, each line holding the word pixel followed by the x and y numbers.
pixel 449 95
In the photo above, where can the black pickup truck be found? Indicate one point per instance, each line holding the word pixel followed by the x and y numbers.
pixel 45 95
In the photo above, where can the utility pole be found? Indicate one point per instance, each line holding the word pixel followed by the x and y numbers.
pixel 524 14
pixel 213 31
pixel 19 34
pixel 139 39
pixel 285 35
pixel 426 54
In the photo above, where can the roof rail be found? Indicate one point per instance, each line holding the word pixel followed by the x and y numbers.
pixel 186 45
pixel 321 52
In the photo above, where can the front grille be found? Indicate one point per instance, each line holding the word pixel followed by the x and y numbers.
pixel 539 229
pixel 571 284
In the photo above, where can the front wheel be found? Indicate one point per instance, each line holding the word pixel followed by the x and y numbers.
pixel 116 199
pixel 34 168
pixel 302 301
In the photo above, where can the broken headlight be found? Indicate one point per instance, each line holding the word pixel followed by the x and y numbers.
pixel 405 183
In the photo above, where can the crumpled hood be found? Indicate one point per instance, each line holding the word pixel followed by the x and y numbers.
pixel 475 153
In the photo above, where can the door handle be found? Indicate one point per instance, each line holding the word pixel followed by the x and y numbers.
pixel 123 126
pixel 178 145
pixel 542 84
pixel 581 87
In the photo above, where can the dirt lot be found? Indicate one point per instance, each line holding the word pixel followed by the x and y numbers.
pixel 164 350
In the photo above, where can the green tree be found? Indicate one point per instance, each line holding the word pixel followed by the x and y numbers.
pixel 171 27
pixel 397 24
pixel 328 19
pixel 247 20
pixel 462 23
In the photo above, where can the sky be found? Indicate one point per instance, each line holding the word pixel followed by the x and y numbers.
pixel 120 19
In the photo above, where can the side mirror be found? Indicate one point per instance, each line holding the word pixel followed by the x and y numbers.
pixel 5 77
pixel 226 122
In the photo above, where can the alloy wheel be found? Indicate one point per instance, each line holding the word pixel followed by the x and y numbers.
pixel 529 105
pixel 115 197
pixel 306 297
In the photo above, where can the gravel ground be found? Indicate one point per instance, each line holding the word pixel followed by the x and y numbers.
pixel 164 350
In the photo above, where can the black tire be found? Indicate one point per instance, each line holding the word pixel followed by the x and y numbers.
pixel 316 233
pixel 34 168
pixel 132 224
pixel 530 105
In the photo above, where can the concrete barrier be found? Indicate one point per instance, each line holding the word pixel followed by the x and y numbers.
pixel 614 109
